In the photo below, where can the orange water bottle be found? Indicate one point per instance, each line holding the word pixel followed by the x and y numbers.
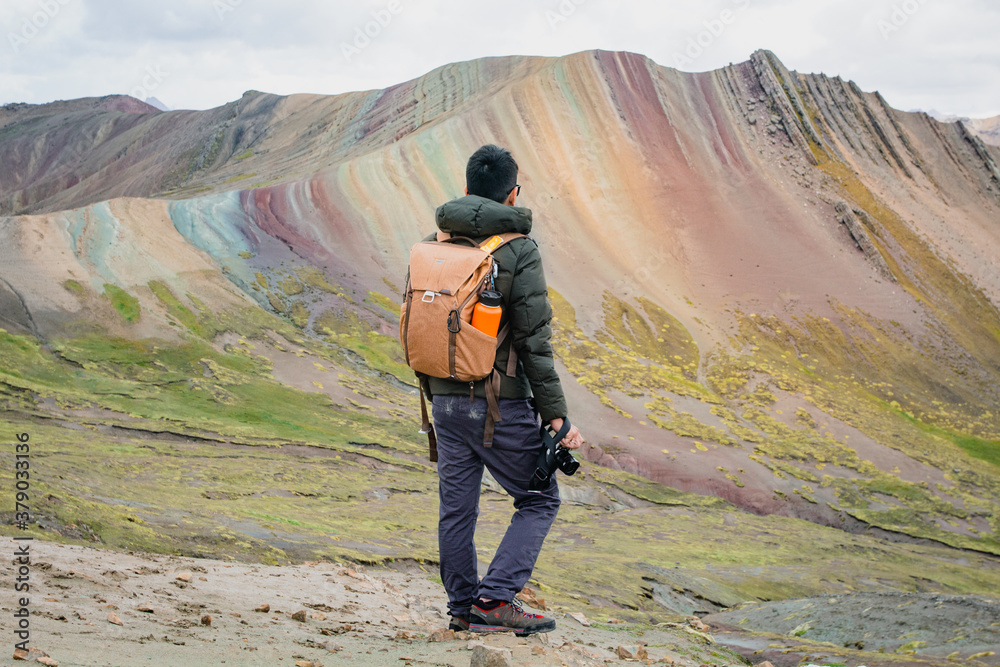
pixel 486 316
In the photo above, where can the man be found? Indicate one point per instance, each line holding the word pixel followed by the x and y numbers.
pixel 487 210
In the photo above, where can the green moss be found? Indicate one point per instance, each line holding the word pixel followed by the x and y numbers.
pixel 126 304
pixel 647 490
pixel 796 472
pixel 74 287
pixel 727 375
pixel 299 314
pixel 609 364
pixel 176 309
pixel 979 448
pixel 292 286
pixel 277 302
pixel 761 396
pixel 348 330
pixel 386 304
pixel 315 278
pixel 213 152
pixel 674 340
pixel 239 177
pixel 661 338
pixel 685 424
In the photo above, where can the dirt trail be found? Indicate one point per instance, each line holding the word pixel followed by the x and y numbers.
pixel 351 617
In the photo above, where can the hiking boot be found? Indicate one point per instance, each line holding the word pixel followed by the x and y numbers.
pixel 459 623
pixel 499 616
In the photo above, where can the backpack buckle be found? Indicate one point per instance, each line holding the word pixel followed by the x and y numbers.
pixel 429 294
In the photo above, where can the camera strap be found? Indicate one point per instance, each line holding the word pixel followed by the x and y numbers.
pixel 546 465
pixel 552 441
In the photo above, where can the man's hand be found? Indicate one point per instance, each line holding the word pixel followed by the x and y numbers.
pixel 573 439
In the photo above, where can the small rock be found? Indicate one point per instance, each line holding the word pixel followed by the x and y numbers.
pixel 537 650
pixel 624 653
pixel 766 663
pixel 442 635
pixel 46 660
pixel 206 620
pixel 264 608
pixel 698 625
pixel 20 654
pixel 183 576
pixel 113 618
pixel 530 597
pixel 299 616
pixel 202 579
pixel 580 618
pixel 487 656
pixel 144 608
pixel 641 653
pixel 317 616
pixel 404 635
pixel 303 663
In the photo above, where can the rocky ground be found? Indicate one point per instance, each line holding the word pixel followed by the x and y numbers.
pixel 99 607
pixel 925 628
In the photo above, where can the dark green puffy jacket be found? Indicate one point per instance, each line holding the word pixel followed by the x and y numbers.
pixel 521 280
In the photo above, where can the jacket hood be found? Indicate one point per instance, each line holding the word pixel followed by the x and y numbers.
pixel 477 216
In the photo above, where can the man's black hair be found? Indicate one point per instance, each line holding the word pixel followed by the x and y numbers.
pixel 491 173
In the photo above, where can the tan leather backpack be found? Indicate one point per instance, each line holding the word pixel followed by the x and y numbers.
pixel 435 324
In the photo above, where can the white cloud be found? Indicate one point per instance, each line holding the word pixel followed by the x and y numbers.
pixel 944 55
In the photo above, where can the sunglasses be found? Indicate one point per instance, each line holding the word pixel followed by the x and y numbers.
pixel 518 190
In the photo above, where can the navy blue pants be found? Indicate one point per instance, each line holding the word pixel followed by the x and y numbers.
pixel 511 460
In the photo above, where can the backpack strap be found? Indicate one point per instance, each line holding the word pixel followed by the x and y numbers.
pixel 426 426
pixel 512 361
pixel 492 389
pixel 406 325
pixel 494 243
pixel 490 245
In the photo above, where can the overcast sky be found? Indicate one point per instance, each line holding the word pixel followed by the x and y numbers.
pixel 196 54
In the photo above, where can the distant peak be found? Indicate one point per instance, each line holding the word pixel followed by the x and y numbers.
pixel 127 104
pixel 154 102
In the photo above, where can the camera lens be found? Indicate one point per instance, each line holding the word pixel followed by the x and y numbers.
pixel 565 461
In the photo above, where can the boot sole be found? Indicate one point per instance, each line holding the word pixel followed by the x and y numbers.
pixel 520 632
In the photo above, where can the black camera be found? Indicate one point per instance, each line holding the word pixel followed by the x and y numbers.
pixel 553 457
